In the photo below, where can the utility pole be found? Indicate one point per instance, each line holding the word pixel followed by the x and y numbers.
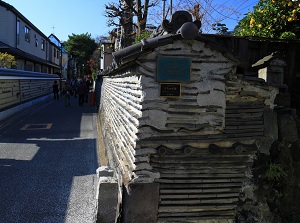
pixel 171 6
pixel 163 9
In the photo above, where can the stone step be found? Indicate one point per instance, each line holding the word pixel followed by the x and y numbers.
pixel 207 214
pixel 216 219
pixel 235 122
pixel 243 110
pixel 202 165
pixel 212 191
pixel 198 160
pixel 200 186
pixel 199 175
pixel 197 195
pixel 195 208
pixel 203 171
pixel 230 200
pixel 212 180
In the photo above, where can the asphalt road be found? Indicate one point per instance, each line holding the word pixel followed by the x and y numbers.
pixel 48 161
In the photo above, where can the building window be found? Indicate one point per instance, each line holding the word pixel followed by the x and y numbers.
pixel 43 44
pixel 54 53
pixel 18 32
pixel 27 34
pixel 36 42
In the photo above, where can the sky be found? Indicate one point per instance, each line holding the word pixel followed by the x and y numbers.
pixel 66 17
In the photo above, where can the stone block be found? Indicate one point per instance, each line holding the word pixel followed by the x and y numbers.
pixel 295 218
pixel 283 99
pixel 107 196
pixel 270 122
pixel 141 203
pixel 105 171
pixel 288 128
pixel 270 131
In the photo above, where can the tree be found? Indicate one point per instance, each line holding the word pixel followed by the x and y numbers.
pixel 271 19
pixel 94 61
pixel 7 60
pixel 122 15
pixel 80 48
pixel 220 28
pixel 211 13
pixel 144 35
pixel 122 11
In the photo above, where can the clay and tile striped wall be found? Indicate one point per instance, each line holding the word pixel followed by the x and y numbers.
pixel 14 92
pixel 132 110
pixel 17 87
pixel 136 120
pixel 201 176
pixel 121 108
pixel 199 147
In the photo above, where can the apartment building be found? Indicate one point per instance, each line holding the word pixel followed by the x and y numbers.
pixel 33 50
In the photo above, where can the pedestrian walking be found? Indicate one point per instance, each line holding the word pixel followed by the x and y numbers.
pixel 81 92
pixel 67 93
pixel 55 90
pixel 74 85
pixel 87 90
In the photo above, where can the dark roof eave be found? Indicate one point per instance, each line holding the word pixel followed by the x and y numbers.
pixel 22 73
pixel 22 54
pixel 129 54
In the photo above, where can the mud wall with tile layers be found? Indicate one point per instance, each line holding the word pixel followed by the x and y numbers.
pixel 197 147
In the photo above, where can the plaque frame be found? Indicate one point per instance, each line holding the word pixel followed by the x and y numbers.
pixel 170 90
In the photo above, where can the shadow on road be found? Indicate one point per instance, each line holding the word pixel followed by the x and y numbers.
pixel 47 173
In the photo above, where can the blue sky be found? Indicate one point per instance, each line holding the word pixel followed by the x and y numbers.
pixel 86 16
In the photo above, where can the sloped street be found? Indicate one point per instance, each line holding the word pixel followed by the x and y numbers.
pixel 48 161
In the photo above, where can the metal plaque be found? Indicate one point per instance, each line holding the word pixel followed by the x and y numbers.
pixel 170 89
pixel 173 69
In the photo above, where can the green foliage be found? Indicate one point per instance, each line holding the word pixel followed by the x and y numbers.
pixel 271 19
pixel 81 48
pixel 7 60
pixel 274 172
pixel 288 35
pixel 144 35
pixel 220 28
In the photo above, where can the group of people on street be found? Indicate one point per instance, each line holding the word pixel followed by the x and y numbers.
pixel 74 88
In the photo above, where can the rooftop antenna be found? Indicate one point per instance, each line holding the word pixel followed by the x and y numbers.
pixel 53 29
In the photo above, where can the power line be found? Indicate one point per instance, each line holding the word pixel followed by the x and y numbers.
pixel 228 17
pixel 206 11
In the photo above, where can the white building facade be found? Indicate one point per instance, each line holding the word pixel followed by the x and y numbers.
pixel 32 49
